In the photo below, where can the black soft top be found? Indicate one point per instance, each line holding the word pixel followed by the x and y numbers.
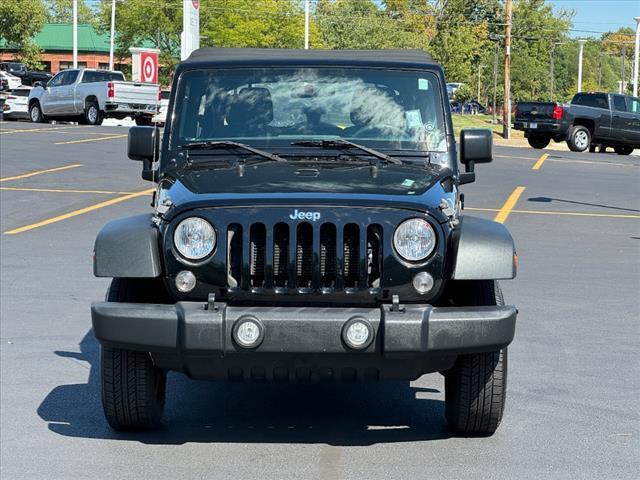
pixel 281 57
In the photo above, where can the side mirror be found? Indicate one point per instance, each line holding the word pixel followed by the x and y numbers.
pixel 476 146
pixel 38 84
pixel 143 145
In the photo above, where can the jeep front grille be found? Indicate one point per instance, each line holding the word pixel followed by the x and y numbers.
pixel 305 257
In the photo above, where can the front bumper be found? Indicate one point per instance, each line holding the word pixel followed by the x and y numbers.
pixel 198 338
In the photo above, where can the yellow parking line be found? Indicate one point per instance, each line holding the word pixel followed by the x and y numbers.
pixel 504 212
pixel 111 137
pixel 40 172
pixel 26 130
pixel 75 213
pixel 547 212
pixel 538 164
pixel 62 190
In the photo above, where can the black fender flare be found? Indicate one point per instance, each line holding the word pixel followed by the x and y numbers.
pixel 128 247
pixel 482 250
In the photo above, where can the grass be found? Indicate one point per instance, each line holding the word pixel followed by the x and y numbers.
pixel 479 121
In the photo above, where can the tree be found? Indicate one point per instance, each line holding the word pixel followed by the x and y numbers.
pixel 255 23
pixel 19 22
pixel 61 11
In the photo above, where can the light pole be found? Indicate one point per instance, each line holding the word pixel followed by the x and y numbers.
pixel 75 33
pixel 580 49
pixel 113 32
pixel 506 110
pixel 306 24
pixel 637 58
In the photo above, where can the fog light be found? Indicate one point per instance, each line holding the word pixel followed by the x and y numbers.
pixel 423 282
pixel 248 332
pixel 357 333
pixel 185 281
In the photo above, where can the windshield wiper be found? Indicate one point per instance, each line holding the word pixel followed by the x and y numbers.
pixel 345 144
pixel 221 145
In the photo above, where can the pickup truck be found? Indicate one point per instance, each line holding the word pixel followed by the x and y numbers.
pixel 90 96
pixel 592 120
pixel 27 77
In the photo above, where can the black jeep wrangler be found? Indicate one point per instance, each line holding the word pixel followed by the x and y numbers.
pixel 307 227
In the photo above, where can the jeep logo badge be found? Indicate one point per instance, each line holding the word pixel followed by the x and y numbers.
pixel 313 216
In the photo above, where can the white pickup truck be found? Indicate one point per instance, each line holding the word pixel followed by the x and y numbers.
pixel 90 96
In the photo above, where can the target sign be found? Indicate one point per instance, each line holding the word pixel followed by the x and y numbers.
pixel 149 67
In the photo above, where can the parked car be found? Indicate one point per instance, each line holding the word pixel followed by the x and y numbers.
pixel 9 81
pixel 474 107
pixel 591 120
pixel 305 229
pixel 91 96
pixel 452 87
pixel 16 104
pixel 27 77
pixel 456 107
pixel 161 116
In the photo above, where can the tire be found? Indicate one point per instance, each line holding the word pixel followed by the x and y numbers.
pixel 476 386
pixel 133 389
pixel 35 113
pixel 623 150
pixel 578 138
pixel 143 121
pixel 92 114
pixel 539 141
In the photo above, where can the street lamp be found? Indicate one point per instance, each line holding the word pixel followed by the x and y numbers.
pixel 637 55
pixel 580 49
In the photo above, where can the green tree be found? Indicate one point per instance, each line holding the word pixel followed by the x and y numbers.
pixel 61 11
pixel 19 22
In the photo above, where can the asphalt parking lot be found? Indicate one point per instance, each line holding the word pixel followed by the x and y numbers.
pixel 574 379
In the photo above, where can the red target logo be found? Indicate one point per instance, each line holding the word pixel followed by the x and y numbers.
pixel 149 67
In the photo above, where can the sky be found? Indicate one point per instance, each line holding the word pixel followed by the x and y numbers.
pixel 600 15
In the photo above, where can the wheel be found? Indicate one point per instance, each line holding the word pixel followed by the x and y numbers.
pixel 133 389
pixel 578 138
pixel 539 141
pixel 476 386
pixel 92 114
pixel 35 113
pixel 143 120
pixel 623 150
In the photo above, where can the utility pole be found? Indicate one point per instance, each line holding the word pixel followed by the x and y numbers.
pixel 495 81
pixel 506 109
pixel 75 33
pixel 637 57
pixel 306 24
pixel 623 53
pixel 113 32
pixel 580 49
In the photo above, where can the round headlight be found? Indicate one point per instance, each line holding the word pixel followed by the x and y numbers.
pixel 194 238
pixel 414 239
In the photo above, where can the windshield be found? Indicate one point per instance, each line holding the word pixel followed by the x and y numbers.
pixel 273 107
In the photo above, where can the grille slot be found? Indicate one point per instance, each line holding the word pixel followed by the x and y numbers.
pixel 328 264
pixel 258 236
pixel 234 254
pixel 304 255
pixel 374 255
pixel 351 248
pixel 280 254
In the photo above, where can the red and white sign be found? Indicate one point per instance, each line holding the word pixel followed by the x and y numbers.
pixel 149 67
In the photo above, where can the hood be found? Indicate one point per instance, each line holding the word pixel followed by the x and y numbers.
pixel 310 177
pixel 415 187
